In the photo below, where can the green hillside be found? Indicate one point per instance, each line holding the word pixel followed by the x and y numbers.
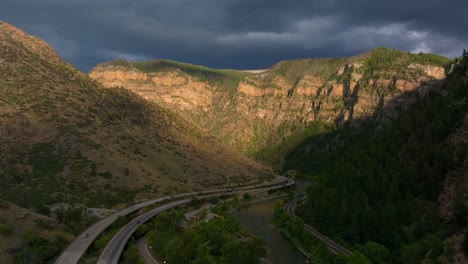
pixel 376 60
pixel 228 79
pixel 67 139
pixel 384 183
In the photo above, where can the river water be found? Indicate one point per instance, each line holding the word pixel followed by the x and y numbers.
pixel 257 218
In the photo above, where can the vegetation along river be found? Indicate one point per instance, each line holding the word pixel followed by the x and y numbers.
pixel 257 218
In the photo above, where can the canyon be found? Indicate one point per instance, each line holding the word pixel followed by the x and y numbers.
pixel 248 110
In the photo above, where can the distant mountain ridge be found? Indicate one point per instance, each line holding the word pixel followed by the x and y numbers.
pixel 254 112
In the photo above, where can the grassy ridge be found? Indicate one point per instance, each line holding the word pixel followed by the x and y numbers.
pixel 377 59
pixel 294 70
pixel 227 78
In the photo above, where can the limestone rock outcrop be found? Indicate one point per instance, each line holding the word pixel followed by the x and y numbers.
pixel 261 102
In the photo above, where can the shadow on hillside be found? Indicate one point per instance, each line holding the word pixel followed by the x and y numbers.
pixel 348 127
pixel 350 98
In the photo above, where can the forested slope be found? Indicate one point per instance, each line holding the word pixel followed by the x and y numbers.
pixel 402 185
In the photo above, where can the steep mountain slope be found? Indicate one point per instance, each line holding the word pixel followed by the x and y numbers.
pixel 256 112
pixel 403 184
pixel 66 139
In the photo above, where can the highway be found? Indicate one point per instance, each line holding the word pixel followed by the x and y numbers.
pixel 78 247
pixel 332 245
pixel 114 249
pixel 143 242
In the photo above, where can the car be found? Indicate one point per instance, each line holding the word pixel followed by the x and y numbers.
pixel 138 222
pixel 86 235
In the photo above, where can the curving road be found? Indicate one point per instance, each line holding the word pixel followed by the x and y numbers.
pixel 144 252
pixel 81 243
pixel 114 249
pixel 78 247
pixel 143 242
pixel 332 245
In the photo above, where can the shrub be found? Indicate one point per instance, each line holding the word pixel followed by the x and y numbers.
pixel 106 175
pixel 5 230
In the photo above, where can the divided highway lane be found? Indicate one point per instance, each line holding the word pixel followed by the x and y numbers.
pixel 78 247
pixel 332 245
pixel 114 249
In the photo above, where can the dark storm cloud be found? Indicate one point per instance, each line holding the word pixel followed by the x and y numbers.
pixel 237 33
pixel 448 16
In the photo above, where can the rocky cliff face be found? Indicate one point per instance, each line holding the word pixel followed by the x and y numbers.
pixel 172 88
pixel 290 94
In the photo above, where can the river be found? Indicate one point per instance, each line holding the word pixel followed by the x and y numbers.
pixel 256 218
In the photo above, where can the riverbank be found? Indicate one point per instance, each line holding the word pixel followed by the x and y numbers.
pixel 257 219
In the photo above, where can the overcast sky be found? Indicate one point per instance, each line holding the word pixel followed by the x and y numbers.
pixel 241 34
